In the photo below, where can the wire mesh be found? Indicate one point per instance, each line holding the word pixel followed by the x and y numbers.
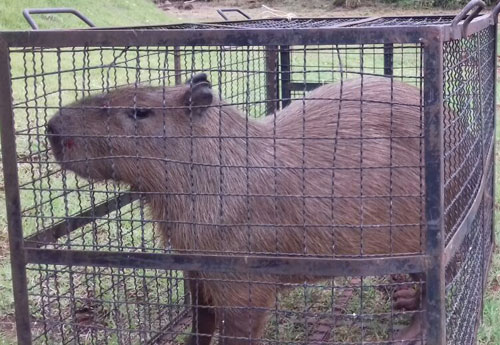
pixel 63 210
pixel 51 195
pixel 90 305
pixel 469 173
pixel 465 288
pixel 303 23
pixel 468 103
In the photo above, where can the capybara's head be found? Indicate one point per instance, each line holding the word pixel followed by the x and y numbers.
pixel 117 134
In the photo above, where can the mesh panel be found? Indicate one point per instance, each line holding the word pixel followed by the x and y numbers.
pixel 103 216
pixel 469 113
pixel 465 287
pixel 105 305
pixel 468 108
pixel 489 204
pixel 299 23
pixel 243 190
pixel 135 306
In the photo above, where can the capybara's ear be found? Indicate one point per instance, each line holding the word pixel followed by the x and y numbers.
pixel 198 78
pixel 198 96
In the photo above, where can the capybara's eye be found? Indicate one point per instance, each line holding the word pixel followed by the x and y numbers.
pixel 140 113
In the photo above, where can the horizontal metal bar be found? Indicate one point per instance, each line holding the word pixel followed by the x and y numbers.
pixel 65 227
pixel 248 264
pixel 303 86
pixel 209 37
pixel 466 225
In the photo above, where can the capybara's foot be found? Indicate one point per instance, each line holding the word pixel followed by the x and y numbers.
pixel 407 298
pixel 406 295
pixel 411 335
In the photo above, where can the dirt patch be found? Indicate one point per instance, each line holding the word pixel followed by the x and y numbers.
pixel 201 11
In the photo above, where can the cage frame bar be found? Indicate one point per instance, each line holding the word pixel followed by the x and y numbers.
pixel 125 37
pixel 254 264
pixel 435 294
pixel 13 203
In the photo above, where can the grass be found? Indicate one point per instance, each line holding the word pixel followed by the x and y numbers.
pixel 289 326
pixel 101 13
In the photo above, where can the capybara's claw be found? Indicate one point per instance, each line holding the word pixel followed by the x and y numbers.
pixel 406 304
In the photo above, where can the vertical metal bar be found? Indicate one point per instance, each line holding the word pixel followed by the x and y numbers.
pixel 271 79
pixel 493 159
pixel 177 65
pixel 286 93
pixel 434 175
pixel 479 70
pixel 388 59
pixel 16 242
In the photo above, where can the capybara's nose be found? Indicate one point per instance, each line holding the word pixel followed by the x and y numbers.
pixel 53 134
pixel 51 128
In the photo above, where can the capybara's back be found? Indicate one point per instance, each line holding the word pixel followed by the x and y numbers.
pixel 338 173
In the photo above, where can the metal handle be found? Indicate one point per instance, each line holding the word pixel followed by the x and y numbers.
pixel 221 11
pixel 29 11
pixel 494 13
pixel 477 5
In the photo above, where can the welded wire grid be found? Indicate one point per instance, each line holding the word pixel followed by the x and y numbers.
pixel 240 75
pixel 468 116
pixel 129 306
pixel 464 290
pixel 44 80
pixel 303 23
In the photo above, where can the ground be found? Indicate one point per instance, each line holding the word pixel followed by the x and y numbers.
pixel 257 9
pixel 143 12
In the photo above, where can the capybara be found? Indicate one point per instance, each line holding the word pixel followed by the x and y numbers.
pixel 336 173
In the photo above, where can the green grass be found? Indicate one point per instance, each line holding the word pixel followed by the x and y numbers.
pixel 101 13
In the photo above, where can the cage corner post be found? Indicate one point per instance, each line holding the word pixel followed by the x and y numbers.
pixel 435 297
pixel 13 203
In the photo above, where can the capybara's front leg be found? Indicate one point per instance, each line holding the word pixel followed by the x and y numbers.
pixel 411 335
pixel 203 318
pixel 242 328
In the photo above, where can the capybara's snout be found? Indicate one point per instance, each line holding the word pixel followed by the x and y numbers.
pixel 53 132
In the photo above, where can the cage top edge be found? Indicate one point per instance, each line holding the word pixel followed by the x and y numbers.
pixel 346 31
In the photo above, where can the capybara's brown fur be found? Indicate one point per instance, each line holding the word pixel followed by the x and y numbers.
pixel 305 181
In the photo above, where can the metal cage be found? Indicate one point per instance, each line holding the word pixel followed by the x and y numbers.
pixel 94 264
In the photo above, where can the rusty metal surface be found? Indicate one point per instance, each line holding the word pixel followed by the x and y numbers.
pixel 433 134
pixel 13 202
pixel 252 264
